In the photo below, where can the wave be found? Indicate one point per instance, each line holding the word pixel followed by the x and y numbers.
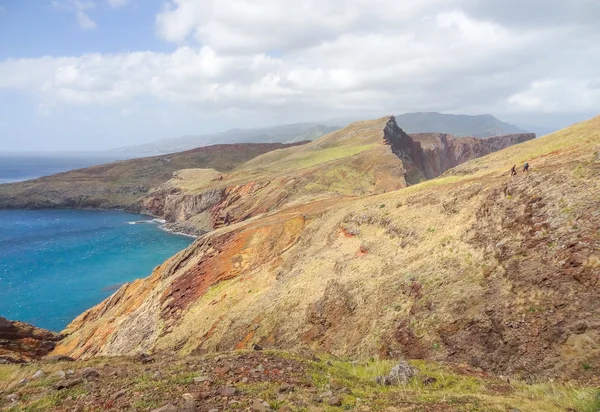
pixel 140 222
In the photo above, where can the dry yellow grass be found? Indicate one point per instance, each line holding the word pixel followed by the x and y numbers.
pixel 443 270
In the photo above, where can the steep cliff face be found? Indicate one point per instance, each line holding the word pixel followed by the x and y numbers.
pixel 428 155
pixel 393 160
pixel 20 342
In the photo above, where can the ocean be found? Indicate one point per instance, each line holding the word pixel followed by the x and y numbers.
pixel 18 167
pixel 55 264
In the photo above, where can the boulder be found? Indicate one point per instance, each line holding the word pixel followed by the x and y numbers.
pixel 90 373
pixel 39 375
pixel 228 391
pixel 399 375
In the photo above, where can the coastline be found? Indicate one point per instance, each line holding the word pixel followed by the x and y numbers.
pixel 136 218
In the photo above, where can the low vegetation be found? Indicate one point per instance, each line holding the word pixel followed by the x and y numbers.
pixel 275 380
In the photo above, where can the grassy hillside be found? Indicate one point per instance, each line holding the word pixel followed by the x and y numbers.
pixel 500 273
pixel 572 145
pixel 120 184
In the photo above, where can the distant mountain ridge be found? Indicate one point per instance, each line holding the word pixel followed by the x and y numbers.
pixel 459 125
pixel 484 125
pixel 290 133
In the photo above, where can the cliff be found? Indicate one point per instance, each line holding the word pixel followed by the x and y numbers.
pixel 364 158
pixel 20 342
pixel 473 267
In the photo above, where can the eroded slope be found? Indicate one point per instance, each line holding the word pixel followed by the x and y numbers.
pixel 365 158
pixel 500 273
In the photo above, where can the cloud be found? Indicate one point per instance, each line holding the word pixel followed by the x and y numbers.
pixel 329 58
pixel 84 21
pixel 80 8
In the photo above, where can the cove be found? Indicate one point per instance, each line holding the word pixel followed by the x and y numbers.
pixel 55 264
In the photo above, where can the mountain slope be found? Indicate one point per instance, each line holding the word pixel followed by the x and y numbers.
pixel 478 268
pixel 484 125
pixel 121 183
pixel 364 158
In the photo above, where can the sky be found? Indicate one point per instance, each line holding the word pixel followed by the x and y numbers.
pixel 101 74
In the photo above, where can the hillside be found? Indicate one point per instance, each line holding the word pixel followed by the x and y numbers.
pixel 478 268
pixel 364 158
pixel 290 133
pixel 119 184
pixel 484 125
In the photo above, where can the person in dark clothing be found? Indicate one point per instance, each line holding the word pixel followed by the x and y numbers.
pixel 513 171
pixel 526 167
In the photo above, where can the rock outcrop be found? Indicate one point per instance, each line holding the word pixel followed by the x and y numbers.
pixel 393 161
pixel 428 155
pixel 20 342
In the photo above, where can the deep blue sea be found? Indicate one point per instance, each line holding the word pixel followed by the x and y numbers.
pixel 55 264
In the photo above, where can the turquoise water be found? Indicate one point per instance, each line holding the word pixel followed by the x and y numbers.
pixel 55 264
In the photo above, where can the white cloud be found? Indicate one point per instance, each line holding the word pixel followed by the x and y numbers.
pixel 84 21
pixel 81 10
pixel 330 58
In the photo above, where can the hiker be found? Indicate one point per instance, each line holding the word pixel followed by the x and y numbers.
pixel 526 167
pixel 513 171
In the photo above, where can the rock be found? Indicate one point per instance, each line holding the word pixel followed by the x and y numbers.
pixel 399 375
pixel 39 375
pixel 70 372
pixel 335 401
pixel 23 382
pixel 68 384
pixel 59 358
pixel 166 408
pixel 260 405
pixel 189 405
pixel 579 328
pixel 327 394
pixel 145 358
pixel 428 380
pixel 188 396
pixel 257 347
pixel 13 398
pixel 120 394
pixel 201 379
pixel 285 388
pixel 90 373
pixel 228 391
pixel 60 374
